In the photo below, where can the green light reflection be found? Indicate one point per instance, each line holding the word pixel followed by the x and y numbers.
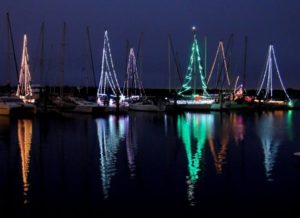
pixel 193 130
pixel 290 125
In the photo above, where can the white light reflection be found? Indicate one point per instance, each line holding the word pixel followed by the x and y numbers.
pixel 270 135
pixel 111 132
pixel 131 146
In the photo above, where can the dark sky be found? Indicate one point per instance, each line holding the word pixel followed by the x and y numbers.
pixel 263 22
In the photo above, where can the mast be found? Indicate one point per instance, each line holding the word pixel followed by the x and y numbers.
pixel 42 53
pixel 12 43
pixel 63 45
pixel 169 63
pixel 194 64
pixel 245 61
pixel 91 54
pixel 176 60
pixel 205 56
pixel 126 85
pixel 178 67
pixel 140 54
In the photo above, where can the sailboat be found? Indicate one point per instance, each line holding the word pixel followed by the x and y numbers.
pixel 109 94
pixel 188 99
pixel 219 60
pixel 134 91
pixel 24 90
pixel 23 101
pixel 264 97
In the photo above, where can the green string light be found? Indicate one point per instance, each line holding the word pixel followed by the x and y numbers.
pixel 193 70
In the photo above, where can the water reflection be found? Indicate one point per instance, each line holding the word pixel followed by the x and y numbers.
pixel 238 127
pixel 219 156
pixel 193 130
pixel 290 125
pixel 24 138
pixel 131 145
pixel 110 132
pixel 270 135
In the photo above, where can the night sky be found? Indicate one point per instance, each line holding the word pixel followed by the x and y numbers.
pixel 263 22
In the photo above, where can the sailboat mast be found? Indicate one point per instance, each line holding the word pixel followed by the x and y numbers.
pixel 169 63
pixel 205 56
pixel 91 54
pixel 245 60
pixel 194 64
pixel 12 43
pixel 42 53
pixel 139 55
pixel 176 60
pixel 63 45
pixel 127 74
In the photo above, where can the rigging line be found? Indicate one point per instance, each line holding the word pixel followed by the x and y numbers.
pixel 91 54
pixel 277 69
pixel 263 75
pixel 12 43
pixel 214 63
pixel 226 60
pixel 176 60
pixel 111 62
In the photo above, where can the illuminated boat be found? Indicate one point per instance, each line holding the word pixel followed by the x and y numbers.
pixel 24 91
pixel 80 105
pixel 22 102
pixel 188 99
pixel 195 104
pixel 148 105
pixel 134 91
pixel 113 102
pixel 233 101
pixel 11 105
pixel 264 97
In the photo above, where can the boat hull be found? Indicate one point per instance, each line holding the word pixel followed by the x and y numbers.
pixel 147 107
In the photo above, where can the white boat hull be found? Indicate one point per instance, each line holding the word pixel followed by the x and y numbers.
pixel 147 107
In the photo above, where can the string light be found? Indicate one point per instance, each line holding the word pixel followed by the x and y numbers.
pixel 108 73
pixel 222 56
pixel 24 90
pixel 271 58
pixel 194 69
pixel 132 76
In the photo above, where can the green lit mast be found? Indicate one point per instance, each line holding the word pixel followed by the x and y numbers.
pixel 194 70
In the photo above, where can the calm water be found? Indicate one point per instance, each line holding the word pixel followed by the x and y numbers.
pixel 204 164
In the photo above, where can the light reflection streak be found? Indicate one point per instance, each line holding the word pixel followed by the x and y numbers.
pixel 270 138
pixel 238 127
pixel 192 130
pixel 24 139
pixel 290 125
pixel 131 145
pixel 111 132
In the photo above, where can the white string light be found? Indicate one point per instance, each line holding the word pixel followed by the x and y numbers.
pixel 108 74
pixel 24 90
pixel 269 73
